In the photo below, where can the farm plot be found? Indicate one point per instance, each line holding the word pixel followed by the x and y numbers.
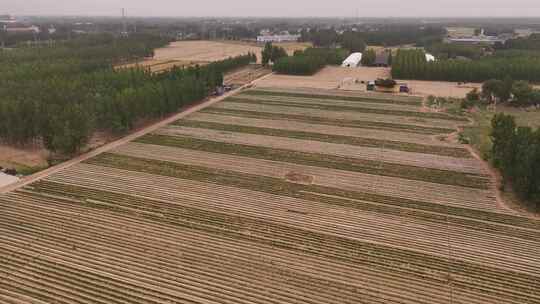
pixel 308 201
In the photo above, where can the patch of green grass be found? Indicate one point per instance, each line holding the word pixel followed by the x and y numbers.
pixel 336 139
pixel 323 160
pixel 375 125
pixel 477 135
pixel 390 100
pixel 340 108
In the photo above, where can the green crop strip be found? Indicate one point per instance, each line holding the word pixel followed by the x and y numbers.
pixel 376 125
pixel 323 160
pixel 336 139
pixel 334 247
pixel 340 108
pixel 395 100
pixel 328 195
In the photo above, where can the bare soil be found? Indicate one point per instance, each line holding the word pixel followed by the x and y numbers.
pixel 351 79
pixel 205 51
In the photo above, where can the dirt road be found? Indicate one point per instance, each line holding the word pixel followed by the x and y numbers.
pixel 45 173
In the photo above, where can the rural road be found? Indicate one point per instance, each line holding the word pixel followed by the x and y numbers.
pixel 45 173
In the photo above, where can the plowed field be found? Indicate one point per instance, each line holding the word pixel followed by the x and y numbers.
pixel 274 196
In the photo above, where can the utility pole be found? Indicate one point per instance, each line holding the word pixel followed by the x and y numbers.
pixel 124 24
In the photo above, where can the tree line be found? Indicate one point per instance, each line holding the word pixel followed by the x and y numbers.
pixel 388 35
pixel 309 61
pixel 412 64
pixel 516 152
pixel 59 96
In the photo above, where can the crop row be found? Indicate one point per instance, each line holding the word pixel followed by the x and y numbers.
pixel 371 98
pixel 350 123
pixel 339 179
pixel 342 108
pixel 340 115
pixel 172 254
pixel 367 201
pixel 323 160
pixel 420 160
pixel 426 232
pixel 334 247
pixel 291 125
pixel 336 139
pixel 316 101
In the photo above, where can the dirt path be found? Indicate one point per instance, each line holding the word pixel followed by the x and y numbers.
pixel 45 173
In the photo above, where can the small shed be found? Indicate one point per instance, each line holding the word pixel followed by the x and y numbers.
pixel 353 60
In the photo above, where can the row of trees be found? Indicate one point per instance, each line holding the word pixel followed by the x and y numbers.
pixel 450 51
pixel 516 152
pixel 530 43
pixel 369 57
pixel 519 93
pixel 309 61
pixel 272 53
pixel 58 98
pixel 389 35
pixel 412 64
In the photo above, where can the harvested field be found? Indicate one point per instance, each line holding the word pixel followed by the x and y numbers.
pixel 347 79
pixel 315 198
pixel 205 51
pixel 328 78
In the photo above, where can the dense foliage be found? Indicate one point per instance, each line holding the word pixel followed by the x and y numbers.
pixel 530 43
pixel 450 51
pixel 310 61
pixel 412 64
pixel 272 53
pixel 516 152
pixel 368 57
pixel 388 35
pixel 60 95
pixel 352 41
pixel 299 65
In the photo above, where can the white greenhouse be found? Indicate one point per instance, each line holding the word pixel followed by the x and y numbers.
pixel 353 60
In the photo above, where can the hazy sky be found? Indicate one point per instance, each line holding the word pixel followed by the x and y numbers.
pixel 285 8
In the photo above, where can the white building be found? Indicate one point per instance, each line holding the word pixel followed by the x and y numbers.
pixel 429 57
pixel 353 60
pixel 278 38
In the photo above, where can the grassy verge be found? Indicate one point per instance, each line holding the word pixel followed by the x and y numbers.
pixel 397 100
pixel 324 161
pixel 336 139
pixel 477 135
pixel 339 108
pixel 376 125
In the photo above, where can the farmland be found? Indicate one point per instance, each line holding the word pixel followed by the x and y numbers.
pixel 332 77
pixel 274 196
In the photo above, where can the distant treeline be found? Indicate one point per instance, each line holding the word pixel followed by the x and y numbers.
pixel 389 35
pixel 59 96
pixel 309 61
pixel 530 43
pixel 412 64
pixel 516 152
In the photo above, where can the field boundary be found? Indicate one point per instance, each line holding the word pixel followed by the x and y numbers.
pixel 130 137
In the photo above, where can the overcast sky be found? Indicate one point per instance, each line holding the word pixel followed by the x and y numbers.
pixel 285 8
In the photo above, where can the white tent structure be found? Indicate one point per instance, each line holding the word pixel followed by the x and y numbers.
pixel 429 57
pixel 353 60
